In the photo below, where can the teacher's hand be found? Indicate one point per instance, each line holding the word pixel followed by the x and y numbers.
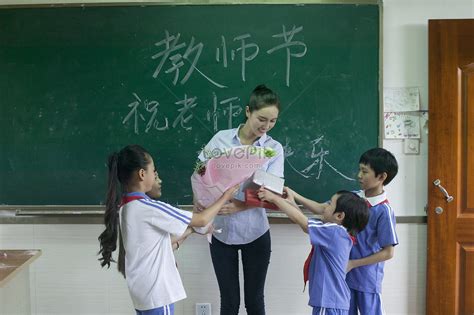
pixel 232 207
pixel 197 206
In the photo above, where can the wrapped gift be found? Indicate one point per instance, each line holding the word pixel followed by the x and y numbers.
pixel 251 199
pixel 258 179
pixel 225 169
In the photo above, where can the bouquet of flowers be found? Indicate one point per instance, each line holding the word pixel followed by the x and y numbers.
pixel 224 169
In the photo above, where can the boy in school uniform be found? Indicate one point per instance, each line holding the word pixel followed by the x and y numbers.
pixel 375 244
pixel 331 237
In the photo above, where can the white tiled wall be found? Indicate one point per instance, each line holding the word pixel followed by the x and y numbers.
pixel 67 277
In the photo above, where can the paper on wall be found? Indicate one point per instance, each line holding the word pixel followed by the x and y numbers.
pixel 402 126
pixel 401 99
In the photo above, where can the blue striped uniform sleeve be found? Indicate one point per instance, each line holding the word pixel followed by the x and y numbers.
pixel 386 232
pixel 168 218
pixel 320 233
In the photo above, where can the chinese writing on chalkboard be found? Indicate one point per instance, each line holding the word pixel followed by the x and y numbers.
pixel 179 61
pixel 318 160
pixel 182 58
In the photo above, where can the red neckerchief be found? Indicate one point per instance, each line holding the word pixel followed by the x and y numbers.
pixel 308 262
pixel 126 199
pixel 306 267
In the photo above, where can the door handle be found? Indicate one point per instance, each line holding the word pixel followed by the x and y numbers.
pixel 448 197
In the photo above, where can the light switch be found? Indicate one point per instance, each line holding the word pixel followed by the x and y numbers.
pixel 411 146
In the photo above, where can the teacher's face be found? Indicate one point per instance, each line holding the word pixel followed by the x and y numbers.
pixel 263 120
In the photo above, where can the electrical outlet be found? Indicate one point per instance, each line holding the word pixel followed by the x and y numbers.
pixel 203 309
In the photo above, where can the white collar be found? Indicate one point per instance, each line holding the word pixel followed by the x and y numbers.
pixel 261 140
pixel 375 200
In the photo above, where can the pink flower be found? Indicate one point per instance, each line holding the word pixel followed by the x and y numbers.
pixel 224 169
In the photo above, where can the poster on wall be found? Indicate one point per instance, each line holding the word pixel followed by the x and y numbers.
pixel 402 125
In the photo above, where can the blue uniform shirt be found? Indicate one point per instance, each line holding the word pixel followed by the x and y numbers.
pixel 245 226
pixel 379 233
pixel 327 270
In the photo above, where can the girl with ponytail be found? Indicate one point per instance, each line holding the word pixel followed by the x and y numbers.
pixel 145 228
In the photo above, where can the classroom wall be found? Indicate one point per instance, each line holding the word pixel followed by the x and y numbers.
pixel 67 277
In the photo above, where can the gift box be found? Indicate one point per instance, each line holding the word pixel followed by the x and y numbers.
pixel 261 178
pixel 258 179
pixel 251 199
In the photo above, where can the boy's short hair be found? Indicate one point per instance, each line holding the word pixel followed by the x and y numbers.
pixel 355 209
pixel 380 160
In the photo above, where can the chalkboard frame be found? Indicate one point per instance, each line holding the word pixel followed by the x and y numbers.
pixel 380 127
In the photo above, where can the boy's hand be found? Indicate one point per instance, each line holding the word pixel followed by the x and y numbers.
pixel 266 195
pixel 350 265
pixel 289 194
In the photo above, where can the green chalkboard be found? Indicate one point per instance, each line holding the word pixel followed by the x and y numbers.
pixel 79 82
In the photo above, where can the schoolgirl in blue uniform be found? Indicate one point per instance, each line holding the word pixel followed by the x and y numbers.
pixel 145 227
pixel 345 215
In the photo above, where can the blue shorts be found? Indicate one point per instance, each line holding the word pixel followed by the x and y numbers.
pixel 328 311
pixel 164 310
pixel 366 303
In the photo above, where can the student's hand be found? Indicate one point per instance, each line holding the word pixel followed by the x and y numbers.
pixel 232 207
pixel 289 194
pixel 350 265
pixel 208 229
pixel 229 193
pixel 266 195
pixel 176 242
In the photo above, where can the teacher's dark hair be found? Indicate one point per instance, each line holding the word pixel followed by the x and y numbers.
pixel 262 97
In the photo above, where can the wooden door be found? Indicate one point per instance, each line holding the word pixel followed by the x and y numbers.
pixel 450 270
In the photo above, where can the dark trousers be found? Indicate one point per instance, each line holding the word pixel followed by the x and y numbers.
pixel 255 260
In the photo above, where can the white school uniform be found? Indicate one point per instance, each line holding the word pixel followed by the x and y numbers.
pixel 147 226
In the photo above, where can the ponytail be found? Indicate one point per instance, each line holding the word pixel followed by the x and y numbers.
pixel 108 238
pixel 121 167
